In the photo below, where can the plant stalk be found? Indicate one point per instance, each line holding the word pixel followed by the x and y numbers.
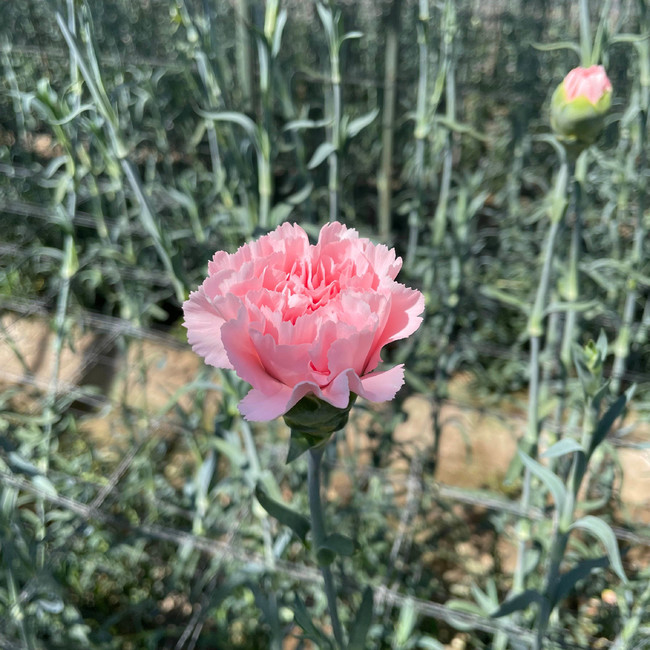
pixel 420 130
pixel 535 331
pixel 333 159
pixel 638 159
pixel 314 458
pixel 388 121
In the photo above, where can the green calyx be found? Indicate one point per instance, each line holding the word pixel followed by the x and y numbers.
pixel 312 422
pixel 578 121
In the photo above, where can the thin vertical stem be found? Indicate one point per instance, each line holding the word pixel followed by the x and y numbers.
pixel 314 458
pixel 449 31
pixel 585 34
pixel 12 82
pixel 333 160
pixel 254 475
pixel 562 531
pixel 530 439
pixel 420 129
pixel 68 269
pixel 243 52
pixel 388 121
pixel 638 158
pixel 573 284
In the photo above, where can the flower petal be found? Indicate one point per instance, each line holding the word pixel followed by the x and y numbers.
pixel 204 322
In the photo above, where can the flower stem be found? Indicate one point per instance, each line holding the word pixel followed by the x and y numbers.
pixel 531 436
pixel 318 532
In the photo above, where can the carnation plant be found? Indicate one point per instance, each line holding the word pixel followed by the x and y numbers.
pixel 305 326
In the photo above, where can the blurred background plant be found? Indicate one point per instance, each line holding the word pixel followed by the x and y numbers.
pixel 138 138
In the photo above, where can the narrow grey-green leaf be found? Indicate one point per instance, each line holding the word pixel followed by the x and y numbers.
pixel 579 306
pixel 297 522
pixel 303 619
pixel 406 623
pixel 562 447
pixel 321 153
pixel 234 454
pixel 295 125
pixel 349 35
pixel 362 622
pixel 603 531
pixel 461 128
pixel 44 484
pixel 22 464
pixel 483 600
pixel 563 45
pixel 280 212
pixel 463 607
pixel 506 298
pixel 605 423
pixel 360 123
pixel 301 195
pixel 550 480
pixel 568 580
pixel 277 33
pixel 233 117
pixel 299 444
pixel 325 14
pixel 339 544
pixel 518 603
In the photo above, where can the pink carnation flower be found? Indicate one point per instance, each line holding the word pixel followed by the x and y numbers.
pixel 579 105
pixel 293 319
pixel 591 83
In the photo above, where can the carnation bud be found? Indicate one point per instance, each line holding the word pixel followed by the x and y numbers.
pixel 317 418
pixel 312 422
pixel 579 105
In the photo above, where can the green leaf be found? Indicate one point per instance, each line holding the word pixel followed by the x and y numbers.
pixel 628 38
pixel 312 632
pixel 360 123
pixel 506 298
pixel 458 127
pixel 463 607
pixel 605 423
pixel 578 306
pixel 518 603
pixel 427 643
pixel 325 14
pixel 280 212
pixel 277 33
pixel 568 580
pixel 70 262
pixel 564 45
pixel 321 153
pixel 233 453
pixel 550 480
pixel 44 484
pixel 299 443
pixel 301 195
pixel 338 544
pixel 295 125
pixel 235 118
pixel 603 531
pixel 405 624
pixel 361 625
pixel 349 35
pixel 22 464
pixel 564 446
pixel 297 522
